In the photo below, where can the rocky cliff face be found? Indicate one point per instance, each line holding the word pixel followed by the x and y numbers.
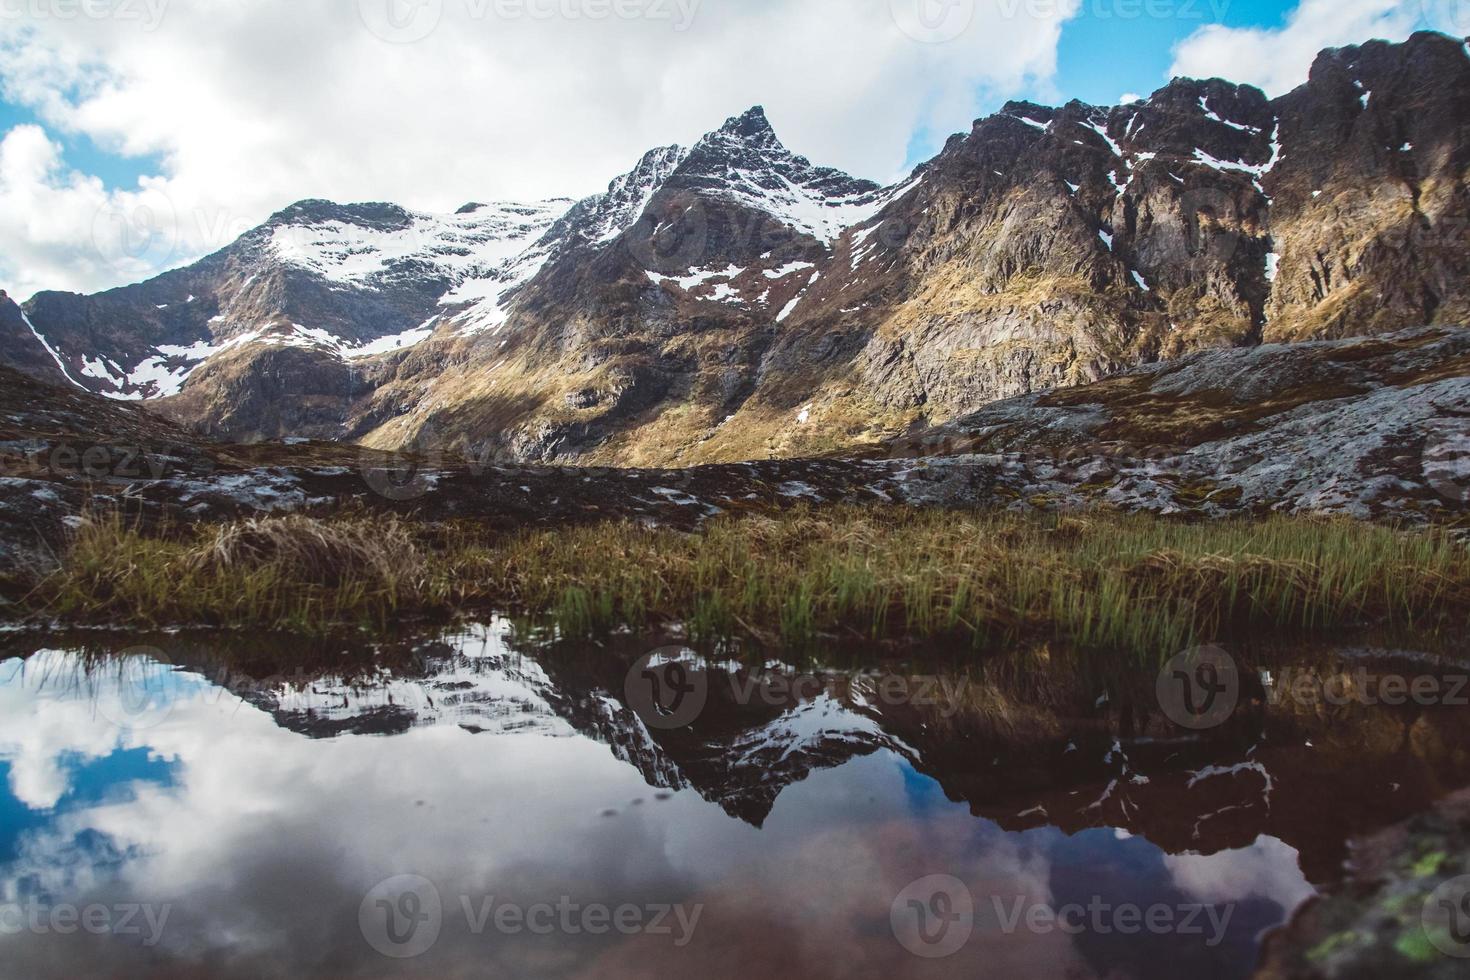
pixel 22 347
pixel 733 301
pixel 1370 213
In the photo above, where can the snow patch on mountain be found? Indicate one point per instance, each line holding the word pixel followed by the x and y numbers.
pixel 798 206
pixel 482 686
pixel 627 196
pixel 812 729
pixel 164 372
pixel 1216 117
pixel 387 345
pixel 596 222
pixel 745 163
pixel 787 270
pixel 55 356
pixel 460 247
pixel 698 277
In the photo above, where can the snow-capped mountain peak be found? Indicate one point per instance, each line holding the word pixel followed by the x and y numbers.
pixel 751 126
pixel 746 163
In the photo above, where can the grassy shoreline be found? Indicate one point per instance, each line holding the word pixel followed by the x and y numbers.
pixel 1143 585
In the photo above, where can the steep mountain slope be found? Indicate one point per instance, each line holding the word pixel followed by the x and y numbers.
pixel 734 301
pixel 1048 247
pixel 22 347
pixel 678 308
pixel 346 281
pixel 1371 214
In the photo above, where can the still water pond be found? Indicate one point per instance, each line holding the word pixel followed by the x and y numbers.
pixel 461 808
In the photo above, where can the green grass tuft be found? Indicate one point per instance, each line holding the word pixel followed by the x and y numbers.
pixel 1136 584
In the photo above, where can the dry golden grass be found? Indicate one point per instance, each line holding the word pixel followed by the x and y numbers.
pixel 1134 584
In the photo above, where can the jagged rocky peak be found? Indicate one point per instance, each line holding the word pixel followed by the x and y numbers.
pixel 745 163
pixel 1374 107
pixel 748 142
pixel 590 225
pixel 346 280
pixel 1177 119
pixel 1204 121
pixel 1427 57
pixel 601 218
pixel 751 125
pixel 1369 206
pixel 1213 98
pixel 653 169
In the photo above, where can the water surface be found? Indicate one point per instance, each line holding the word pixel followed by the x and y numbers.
pixel 461 808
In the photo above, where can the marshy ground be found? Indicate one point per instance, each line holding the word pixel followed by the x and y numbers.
pixel 1096 581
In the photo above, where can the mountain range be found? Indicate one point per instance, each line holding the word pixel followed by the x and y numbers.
pixel 732 300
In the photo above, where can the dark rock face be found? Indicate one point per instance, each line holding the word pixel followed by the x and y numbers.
pixel 22 348
pixel 271 392
pixel 1371 213
pixel 735 301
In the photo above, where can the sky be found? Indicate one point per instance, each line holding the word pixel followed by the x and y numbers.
pixel 137 135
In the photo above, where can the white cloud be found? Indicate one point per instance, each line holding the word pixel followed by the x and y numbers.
pixel 1268 869
pixel 253 106
pixel 1278 60
pixel 63 228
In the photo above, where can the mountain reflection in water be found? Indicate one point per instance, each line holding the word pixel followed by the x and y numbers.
pixel 261 811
